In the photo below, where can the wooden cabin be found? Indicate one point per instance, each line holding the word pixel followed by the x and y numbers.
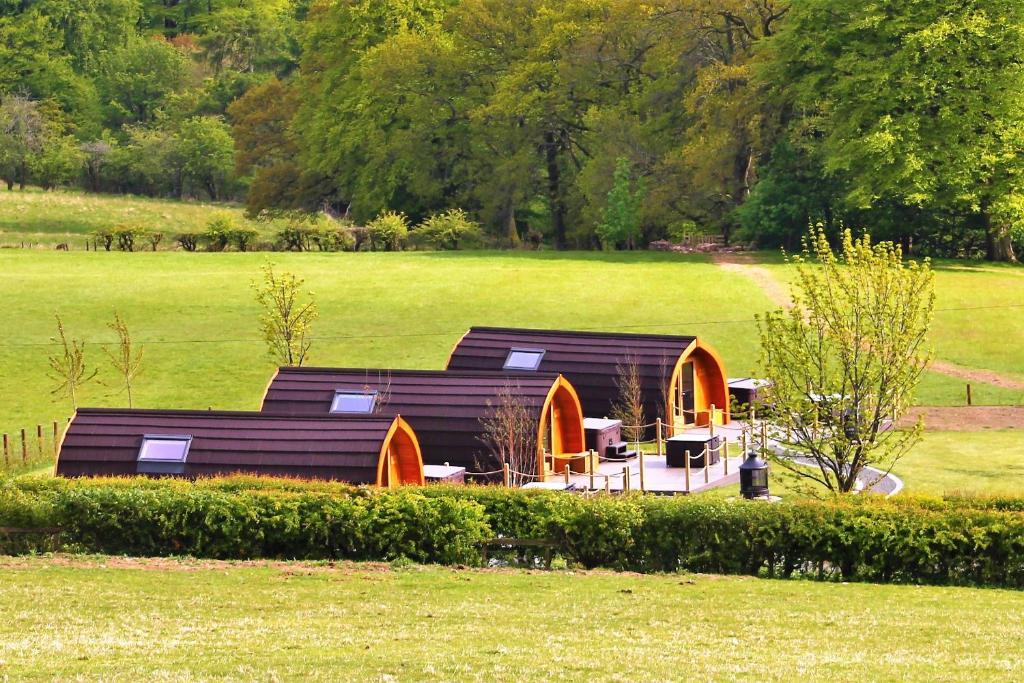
pixel 681 377
pixel 371 449
pixel 447 409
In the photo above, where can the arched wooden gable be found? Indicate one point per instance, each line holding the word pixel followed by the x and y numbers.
pixel 590 361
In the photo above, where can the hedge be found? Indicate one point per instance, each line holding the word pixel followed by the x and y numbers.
pixel 865 538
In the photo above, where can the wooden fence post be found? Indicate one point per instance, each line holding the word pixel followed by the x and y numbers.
pixel 707 461
pixel 607 484
pixel 657 431
pixel 625 478
pixel 590 456
pixel 505 478
pixel 24 446
pixel 7 449
pixel 39 439
pixel 725 458
pixel 969 401
pixel 642 470
pixel 56 441
pixel 686 462
pixel 568 473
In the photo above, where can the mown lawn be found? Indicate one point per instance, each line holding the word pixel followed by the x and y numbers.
pixel 35 217
pixel 124 620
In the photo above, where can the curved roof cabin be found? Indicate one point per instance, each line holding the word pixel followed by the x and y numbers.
pixel 196 443
pixel 447 409
pixel 682 373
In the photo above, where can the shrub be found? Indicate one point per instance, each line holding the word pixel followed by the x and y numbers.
pixel 188 241
pixel 296 237
pixel 905 540
pixel 219 229
pixel 388 231
pixel 243 237
pixel 126 237
pixel 174 518
pixel 105 237
pixel 449 230
pixel 154 238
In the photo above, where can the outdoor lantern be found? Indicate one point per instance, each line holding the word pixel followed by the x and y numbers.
pixel 753 476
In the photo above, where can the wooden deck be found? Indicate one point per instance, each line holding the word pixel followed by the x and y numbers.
pixel 658 478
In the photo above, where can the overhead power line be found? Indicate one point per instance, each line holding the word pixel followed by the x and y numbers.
pixel 455 333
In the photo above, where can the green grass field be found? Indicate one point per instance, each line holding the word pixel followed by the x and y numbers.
pixel 123 620
pixel 197 318
pixel 38 218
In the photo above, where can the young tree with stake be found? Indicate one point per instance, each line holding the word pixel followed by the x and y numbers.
pixel 846 358
pixel 67 365
pixel 127 359
pixel 629 405
pixel 510 434
pixel 288 316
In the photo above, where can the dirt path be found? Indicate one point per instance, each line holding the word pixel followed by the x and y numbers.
pixel 745 265
pixel 762 277
pixel 966 418
pixel 976 375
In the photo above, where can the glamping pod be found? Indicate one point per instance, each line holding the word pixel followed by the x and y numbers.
pixel 448 410
pixel 680 377
pixel 196 443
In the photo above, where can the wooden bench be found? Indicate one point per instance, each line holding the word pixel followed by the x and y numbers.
pixel 547 545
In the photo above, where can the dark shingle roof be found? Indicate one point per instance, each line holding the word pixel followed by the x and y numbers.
pixel 106 442
pixel 589 360
pixel 445 408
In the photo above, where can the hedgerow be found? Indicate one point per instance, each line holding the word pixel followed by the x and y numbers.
pixel 905 540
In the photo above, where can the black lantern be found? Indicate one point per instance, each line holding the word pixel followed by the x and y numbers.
pixel 753 476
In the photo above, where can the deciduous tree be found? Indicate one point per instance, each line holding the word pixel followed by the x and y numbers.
pixel 844 361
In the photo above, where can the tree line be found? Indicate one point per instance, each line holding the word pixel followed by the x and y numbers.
pixel 597 123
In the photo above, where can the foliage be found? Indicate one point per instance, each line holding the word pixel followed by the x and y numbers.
pixel 207 522
pixel 622 214
pixel 67 365
pixel 208 154
pixel 923 108
pixel 452 229
pixel 847 357
pixel 905 540
pixel 287 317
pixel 136 80
pixel 388 231
pixel 127 358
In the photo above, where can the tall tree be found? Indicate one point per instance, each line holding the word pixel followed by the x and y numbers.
pixel 919 104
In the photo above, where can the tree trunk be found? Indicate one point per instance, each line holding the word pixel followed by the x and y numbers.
pixel 555 189
pixel 998 244
pixel 511 233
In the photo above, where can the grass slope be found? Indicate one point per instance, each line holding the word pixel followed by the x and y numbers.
pixel 197 313
pixel 35 217
pixel 124 620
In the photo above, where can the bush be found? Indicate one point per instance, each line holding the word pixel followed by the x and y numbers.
pixel 188 241
pixel 219 229
pixel 178 518
pixel 104 237
pixel 388 231
pixel 154 238
pixel 126 237
pixel 449 230
pixel 296 237
pixel 904 540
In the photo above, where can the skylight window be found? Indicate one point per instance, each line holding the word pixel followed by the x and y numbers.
pixel 354 402
pixel 163 454
pixel 523 359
